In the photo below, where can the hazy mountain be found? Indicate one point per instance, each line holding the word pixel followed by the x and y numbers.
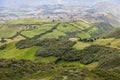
pixel 107 7
pixel 105 11
pixel 89 10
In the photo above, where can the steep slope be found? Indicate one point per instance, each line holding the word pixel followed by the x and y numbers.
pixel 114 34
pixel 104 27
pixel 99 29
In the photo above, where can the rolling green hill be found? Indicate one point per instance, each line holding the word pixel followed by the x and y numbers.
pixel 44 50
pixel 10 28
pixel 42 29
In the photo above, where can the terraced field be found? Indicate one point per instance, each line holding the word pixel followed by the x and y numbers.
pixel 45 29
pixel 41 29
pixel 63 29
pixel 11 28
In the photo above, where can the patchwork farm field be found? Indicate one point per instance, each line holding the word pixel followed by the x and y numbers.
pixel 46 50
pixel 40 29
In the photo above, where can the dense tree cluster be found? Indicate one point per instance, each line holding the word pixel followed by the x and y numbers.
pixel 90 39
pixel 11 69
pixel 64 50
pixel 87 40
pixel 57 49
pixel 88 55
pixel 26 43
pixel 106 75
pixel 16 69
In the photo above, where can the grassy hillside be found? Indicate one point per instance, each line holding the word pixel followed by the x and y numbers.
pixel 105 68
pixel 99 29
pixel 110 42
pixel 10 28
pixel 12 52
pixel 8 31
pixel 28 54
pixel 63 29
pixel 32 28
pixel 44 50
pixel 26 21
pixel 114 34
pixel 40 29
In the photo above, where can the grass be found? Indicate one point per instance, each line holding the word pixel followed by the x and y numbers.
pixel 26 21
pixel 46 59
pixel 115 43
pixel 12 52
pixel 6 31
pixel 93 77
pixel 81 45
pixel 82 24
pixel 17 38
pixel 12 40
pixel 67 28
pixel 103 41
pixel 92 30
pixel 92 65
pixel 83 35
pixel 54 34
pixel 41 29
pixel 76 63
pixel 110 42
pixel 77 26
pixel 28 54
pixel 62 29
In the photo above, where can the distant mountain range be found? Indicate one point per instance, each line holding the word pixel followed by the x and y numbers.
pixel 88 10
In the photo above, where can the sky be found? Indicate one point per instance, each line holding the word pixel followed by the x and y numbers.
pixel 40 2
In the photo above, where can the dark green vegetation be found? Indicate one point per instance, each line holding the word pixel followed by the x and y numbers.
pixel 58 51
pixel 26 70
pixel 108 58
